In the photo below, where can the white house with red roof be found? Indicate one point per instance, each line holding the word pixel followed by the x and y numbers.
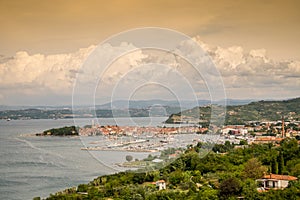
pixel 275 181
pixel 161 184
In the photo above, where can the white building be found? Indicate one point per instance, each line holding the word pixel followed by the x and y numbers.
pixel 275 181
pixel 161 184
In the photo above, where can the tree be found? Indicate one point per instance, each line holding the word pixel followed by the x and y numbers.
pixel 243 142
pixel 176 177
pixel 253 169
pixel 230 187
pixel 290 149
pixel 129 158
pixel 274 166
pixel 138 178
pixel 82 188
pixel 249 190
pixel 191 160
pixel 296 170
pixel 207 193
pixel 198 147
pixel 227 144
pixel 280 163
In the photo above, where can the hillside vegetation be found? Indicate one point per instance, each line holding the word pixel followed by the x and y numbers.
pixel 241 114
pixel 216 176
pixel 64 131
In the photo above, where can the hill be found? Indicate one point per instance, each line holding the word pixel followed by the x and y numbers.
pixel 241 114
pixel 231 175
pixel 184 104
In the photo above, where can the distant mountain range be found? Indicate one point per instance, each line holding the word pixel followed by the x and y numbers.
pixel 186 111
pixel 121 104
pixel 239 114
pixel 135 104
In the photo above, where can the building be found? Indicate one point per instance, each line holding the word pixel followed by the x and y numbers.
pixel 267 139
pixel 275 181
pixel 161 184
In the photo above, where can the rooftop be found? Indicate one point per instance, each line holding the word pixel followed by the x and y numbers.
pixel 280 177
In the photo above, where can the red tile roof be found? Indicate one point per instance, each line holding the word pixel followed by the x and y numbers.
pixel 268 139
pixel 280 177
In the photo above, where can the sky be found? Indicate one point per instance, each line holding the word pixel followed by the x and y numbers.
pixel 254 44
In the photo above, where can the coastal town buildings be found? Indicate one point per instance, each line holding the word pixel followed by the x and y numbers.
pixel 153 139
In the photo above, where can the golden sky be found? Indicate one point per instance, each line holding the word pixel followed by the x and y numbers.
pixel 62 26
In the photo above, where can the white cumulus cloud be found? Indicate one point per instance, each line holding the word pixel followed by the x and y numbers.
pixel 51 77
pixel 253 74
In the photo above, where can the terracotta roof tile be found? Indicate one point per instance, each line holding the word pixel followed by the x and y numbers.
pixel 280 177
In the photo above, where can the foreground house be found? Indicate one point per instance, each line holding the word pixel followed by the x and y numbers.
pixel 275 181
pixel 161 184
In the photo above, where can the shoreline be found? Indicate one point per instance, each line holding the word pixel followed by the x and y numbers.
pixel 36 135
pixel 120 150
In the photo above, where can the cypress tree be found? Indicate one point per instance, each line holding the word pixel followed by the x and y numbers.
pixel 274 166
pixel 280 163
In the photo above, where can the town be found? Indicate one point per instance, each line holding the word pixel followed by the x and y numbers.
pixel 152 139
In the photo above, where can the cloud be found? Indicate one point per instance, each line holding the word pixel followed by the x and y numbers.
pixel 245 72
pixel 39 75
pixel 45 77
pixel 50 78
pixel 52 72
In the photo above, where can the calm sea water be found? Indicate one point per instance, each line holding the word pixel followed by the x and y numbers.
pixel 38 166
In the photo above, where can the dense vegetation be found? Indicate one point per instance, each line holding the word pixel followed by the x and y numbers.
pixel 230 175
pixel 255 111
pixel 64 131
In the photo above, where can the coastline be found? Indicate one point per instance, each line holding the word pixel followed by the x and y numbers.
pixel 41 135
pixel 120 150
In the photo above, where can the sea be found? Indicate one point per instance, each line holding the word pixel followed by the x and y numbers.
pixel 32 166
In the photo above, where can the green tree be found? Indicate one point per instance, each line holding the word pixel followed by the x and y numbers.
pixel 176 177
pixel 191 160
pixel 249 190
pixel 82 188
pixel 207 193
pixel 253 169
pixel 296 170
pixel 138 178
pixel 129 158
pixel 290 149
pixel 230 187
pixel 274 166
pixel 280 163
pixel 243 142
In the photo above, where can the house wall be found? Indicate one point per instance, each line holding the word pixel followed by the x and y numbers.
pixel 272 184
pixel 161 186
pixel 277 184
pixel 284 183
